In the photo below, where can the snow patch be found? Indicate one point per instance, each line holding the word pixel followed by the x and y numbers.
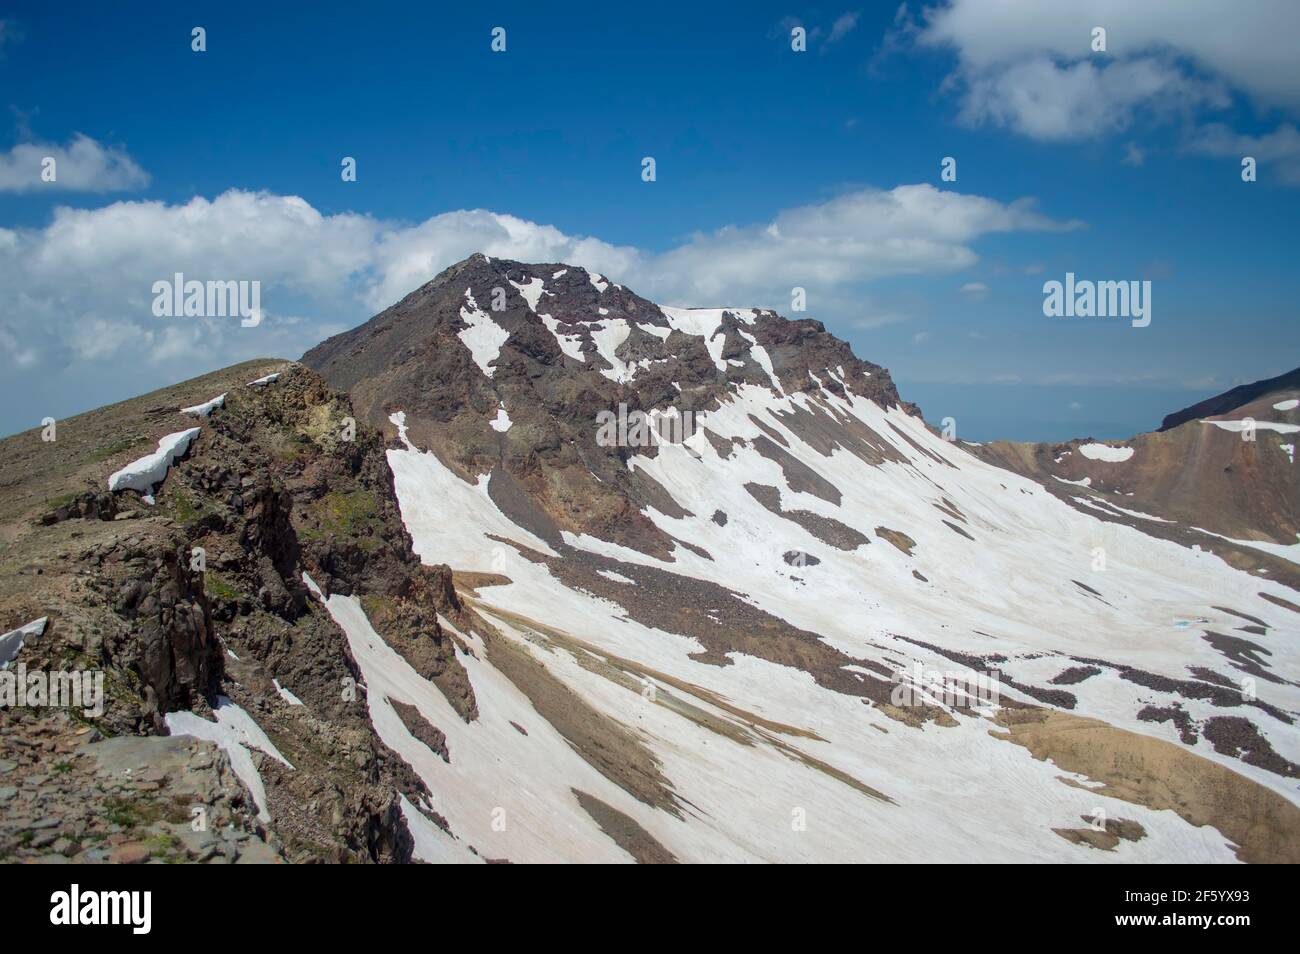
pixel 1238 426
pixel 1106 452
pixel 206 408
pixel 616 577
pixel 285 694
pixel 1288 405
pixel 427 491
pixel 502 421
pixel 237 733
pixel 12 641
pixel 608 338
pixel 484 337
pixel 660 333
pixel 700 323
pixel 764 360
pixel 569 344
pixel 531 290
pixel 147 472
pixel 263 382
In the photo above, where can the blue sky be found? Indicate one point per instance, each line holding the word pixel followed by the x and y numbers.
pixel 774 168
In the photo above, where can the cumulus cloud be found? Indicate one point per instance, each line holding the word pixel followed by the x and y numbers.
pixel 1030 66
pixel 857 237
pixel 83 165
pixel 405 258
pixel 81 287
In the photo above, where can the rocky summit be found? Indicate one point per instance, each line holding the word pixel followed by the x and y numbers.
pixel 530 568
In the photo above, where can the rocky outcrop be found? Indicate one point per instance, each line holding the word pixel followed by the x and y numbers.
pixel 199 597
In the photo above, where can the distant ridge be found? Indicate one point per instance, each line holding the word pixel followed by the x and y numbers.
pixel 1230 400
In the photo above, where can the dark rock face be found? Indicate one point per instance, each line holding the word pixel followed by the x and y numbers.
pixel 1231 400
pixel 409 358
pixel 169 640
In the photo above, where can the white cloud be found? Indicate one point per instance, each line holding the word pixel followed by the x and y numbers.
pixel 857 237
pixel 842 27
pixel 405 258
pixel 83 165
pixel 1042 99
pixel 975 289
pixel 1029 65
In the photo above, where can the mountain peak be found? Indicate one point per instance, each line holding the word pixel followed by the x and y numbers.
pixel 507 314
pixel 509 367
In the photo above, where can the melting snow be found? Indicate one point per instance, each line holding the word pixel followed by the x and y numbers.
pixel 608 337
pixel 1239 426
pixel 702 323
pixel 502 421
pixel 531 290
pixel 285 694
pixel 1287 551
pixel 12 641
pixel 569 344
pixel 427 492
pixel 203 410
pixel 660 333
pixel 147 472
pixel 1288 405
pixel 263 382
pixel 236 732
pixel 616 577
pixel 764 361
pixel 484 337
pixel 1106 452
pixel 1029 548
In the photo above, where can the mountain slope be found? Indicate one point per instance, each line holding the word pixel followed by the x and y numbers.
pixel 448 613
pixel 1205 479
pixel 699 649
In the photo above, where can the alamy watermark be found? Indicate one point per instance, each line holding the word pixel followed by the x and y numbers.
pixel 1083 298
pixel 178 298
pixel 956 688
pixel 626 428
pixel 78 689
